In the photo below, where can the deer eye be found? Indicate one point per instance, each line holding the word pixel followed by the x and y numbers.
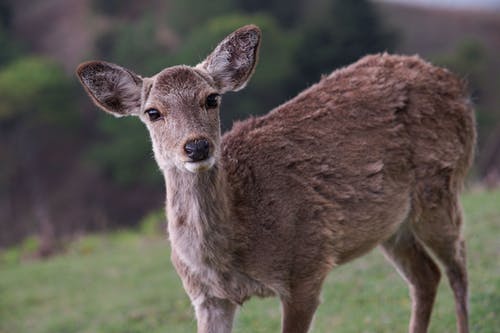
pixel 212 101
pixel 153 114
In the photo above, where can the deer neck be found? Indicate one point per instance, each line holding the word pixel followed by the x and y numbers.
pixel 199 217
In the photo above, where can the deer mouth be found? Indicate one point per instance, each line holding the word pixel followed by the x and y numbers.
pixel 200 166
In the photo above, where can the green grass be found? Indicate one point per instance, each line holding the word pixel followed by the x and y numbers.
pixel 124 282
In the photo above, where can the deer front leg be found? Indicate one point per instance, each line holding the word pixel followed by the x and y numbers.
pixel 298 309
pixel 214 315
pixel 297 318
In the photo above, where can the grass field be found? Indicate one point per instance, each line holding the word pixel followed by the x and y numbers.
pixel 124 282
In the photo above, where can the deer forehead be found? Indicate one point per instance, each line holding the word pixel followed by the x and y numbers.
pixel 184 82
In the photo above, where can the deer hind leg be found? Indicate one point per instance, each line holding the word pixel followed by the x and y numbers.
pixel 440 231
pixel 419 270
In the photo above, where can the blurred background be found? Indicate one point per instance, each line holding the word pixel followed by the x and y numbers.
pixel 67 168
pixel 82 228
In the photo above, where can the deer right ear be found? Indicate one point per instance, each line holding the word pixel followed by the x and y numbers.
pixel 233 61
pixel 112 88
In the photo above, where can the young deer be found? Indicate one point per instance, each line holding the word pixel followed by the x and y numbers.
pixel 373 154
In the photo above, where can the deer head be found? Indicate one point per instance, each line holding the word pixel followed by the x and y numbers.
pixel 179 105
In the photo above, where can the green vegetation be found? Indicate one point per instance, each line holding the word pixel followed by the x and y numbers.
pixel 124 282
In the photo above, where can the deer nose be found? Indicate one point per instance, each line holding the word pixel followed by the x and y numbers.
pixel 197 150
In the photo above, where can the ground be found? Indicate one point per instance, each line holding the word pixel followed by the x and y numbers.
pixel 124 282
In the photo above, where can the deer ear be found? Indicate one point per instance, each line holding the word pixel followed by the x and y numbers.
pixel 233 61
pixel 112 88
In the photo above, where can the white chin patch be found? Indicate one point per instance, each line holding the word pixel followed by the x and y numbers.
pixel 195 167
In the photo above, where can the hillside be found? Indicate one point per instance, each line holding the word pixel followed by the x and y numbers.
pixel 435 30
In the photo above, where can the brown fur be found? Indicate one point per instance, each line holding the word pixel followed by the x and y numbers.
pixel 374 154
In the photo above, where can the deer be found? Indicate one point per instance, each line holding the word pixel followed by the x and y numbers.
pixel 373 155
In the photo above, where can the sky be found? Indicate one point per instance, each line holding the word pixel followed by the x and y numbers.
pixel 480 4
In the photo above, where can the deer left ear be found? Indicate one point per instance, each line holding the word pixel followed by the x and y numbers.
pixel 113 88
pixel 233 61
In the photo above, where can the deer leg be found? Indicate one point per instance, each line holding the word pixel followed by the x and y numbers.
pixel 214 315
pixel 457 275
pixel 298 309
pixel 440 231
pixel 420 272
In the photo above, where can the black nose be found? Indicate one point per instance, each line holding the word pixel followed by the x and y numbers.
pixel 197 150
